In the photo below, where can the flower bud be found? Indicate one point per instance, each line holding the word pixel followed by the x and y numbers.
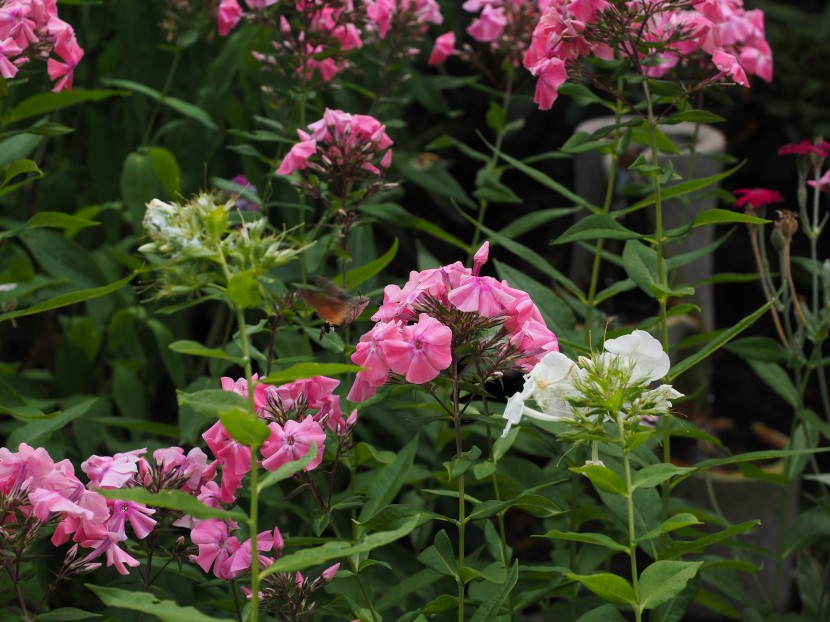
pixel 787 224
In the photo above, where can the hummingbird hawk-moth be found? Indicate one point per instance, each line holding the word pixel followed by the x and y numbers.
pixel 335 306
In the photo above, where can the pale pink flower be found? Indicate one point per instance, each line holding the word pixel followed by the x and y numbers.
pixel 290 443
pixel 730 66
pixel 328 573
pixel 481 294
pixel 215 546
pixel 422 351
pixel 240 386
pixel 550 74
pixel 46 502
pixel 823 182
pixel 112 472
pixel 489 25
pixel 137 514
pixel 240 560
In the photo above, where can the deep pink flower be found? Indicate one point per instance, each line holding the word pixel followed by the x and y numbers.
pixel 229 15
pixel 481 294
pixel 215 546
pixel 550 75
pixel 444 47
pixel 756 197
pixel 240 386
pixel 234 458
pixel 290 443
pixel 730 66
pixel 71 53
pixel 422 351
pixel 806 147
pixel 297 157
pixel 240 560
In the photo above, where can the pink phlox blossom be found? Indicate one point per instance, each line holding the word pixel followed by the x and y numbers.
pixel 328 573
pixel 291 442
pixel 80 526
pixel 297 157
pixel 730 66
pixel 489 25
pixel 9 50
pixel 422 351
pixel 756 197
pixel 258 5
pixel 380 12
pixel 550 74
pixel 107 542
pixel 216 546
pixel 240 560
pixel 369 352
pixel 230 13
pixel 47 502
pixel 240 386
pixel 71 54
pixel 481 294
pixel 112 472
pixel 137 514
pixel 233 457
pixel 444 48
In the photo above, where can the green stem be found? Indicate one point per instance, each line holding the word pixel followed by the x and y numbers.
pixel 168 82
pixel 254 482
pixel 494 159
pixel 661 272
pixel 461 509
pixel 606 207
pixel 632 533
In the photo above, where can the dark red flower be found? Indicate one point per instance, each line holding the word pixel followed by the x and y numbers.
pixel 756 197
pixel 806 147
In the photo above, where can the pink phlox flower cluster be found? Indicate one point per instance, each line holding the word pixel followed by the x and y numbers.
pixel 409 20
pixel 240 387
pixel 224 553
pixel 414 331
pixel 505 25
pixel 342 145
pixel 720 33
pixel 296 399
pixel 31 29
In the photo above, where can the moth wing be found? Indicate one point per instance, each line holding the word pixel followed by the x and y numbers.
pixel 329 308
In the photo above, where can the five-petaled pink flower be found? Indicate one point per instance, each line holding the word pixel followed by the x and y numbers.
pixel 422 351
pixel 291 442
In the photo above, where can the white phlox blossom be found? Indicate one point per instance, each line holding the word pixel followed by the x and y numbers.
pixel 646 352
pixel 548 383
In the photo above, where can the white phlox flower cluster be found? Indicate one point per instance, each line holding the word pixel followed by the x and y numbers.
pixel 562 388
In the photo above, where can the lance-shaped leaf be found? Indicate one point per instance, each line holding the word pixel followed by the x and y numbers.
pixel 663 580
pixel 145 602
pixel 172 500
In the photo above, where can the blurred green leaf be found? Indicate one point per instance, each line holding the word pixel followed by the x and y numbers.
pixel 245 427
pixel 146 602
pixel 182 107
pixel 597 227
pixel 42 103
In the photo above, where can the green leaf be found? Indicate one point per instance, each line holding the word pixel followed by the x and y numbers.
pixel 18 168
pixel 440 604
pixel 640 263
pixel 534 220
pixel 42 103
pixel 589 538
pixel 488 611
pixel 172 500
pixel 145 602
pixel 597 227
pixel 182 107
pixel 167 169
pixel 663 580
pixel 361 274
pixel 55 220
pixel 434 177
pixel 301 371
pixel 312 556
pixel 490 189
pixel 720 340
pixel 680 189
pixel 398 216
pixel 288 469
pixel 193 348
pixel 64 300
pixel 544 180
pixel 66 614
pixel 776 379
pixel 607 586
pixel 603 613
pixel 139 184
pixel 243 290
pixel 37 430
pixel 388 481
pixel 693 116
pixel 725 216
pixel 245 427
pixel 655 474
pixel 603 478
pixel 763 349
pixel 440 557
pixel 397 592
pixel 672 523
pixel 210 402
pixel 679 549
